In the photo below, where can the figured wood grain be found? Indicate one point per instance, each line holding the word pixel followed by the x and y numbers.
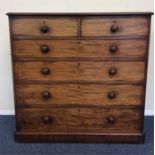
pixel 58 26
pixel 127 49
pixel 78 94
pixel 127 26
pixel 79 62
pixel 80 71
pixel 79 120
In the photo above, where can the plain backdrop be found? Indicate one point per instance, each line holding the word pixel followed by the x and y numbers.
pixel 6 88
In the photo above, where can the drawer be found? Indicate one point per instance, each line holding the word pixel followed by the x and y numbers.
pixel 102 49
pixel 62 26
pixel 79 71
pixel 79 120
pixel 115 26
pixel 78 94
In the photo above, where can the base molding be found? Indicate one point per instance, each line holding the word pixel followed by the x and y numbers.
pixel 80 137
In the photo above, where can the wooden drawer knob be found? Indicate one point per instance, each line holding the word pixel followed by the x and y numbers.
pixel 113 48
pixel 47 119
pixel 44 29
pixel 112 71
pixel 111 95
pixel 45 71
pixel 44 49
pixel 111 119
pixel 114 28
pixel 46 94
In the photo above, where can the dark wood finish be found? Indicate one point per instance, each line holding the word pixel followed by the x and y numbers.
pixel 79 77
pixel 46 94
pixel 79 120
pixel 80 37
pixel 80 71
pixel 44 29
pixel 53 27
pixel 105 49
pixel 146 71
pixel 80 14
pixel 114 27
pixel 80 138
pixel 78 94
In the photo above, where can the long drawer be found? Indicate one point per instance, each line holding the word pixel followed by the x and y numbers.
pixel 79 120
pixel 80 71
pixel 78 94
pixel 101 49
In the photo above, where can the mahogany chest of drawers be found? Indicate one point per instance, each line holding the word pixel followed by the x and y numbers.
pixel 79 77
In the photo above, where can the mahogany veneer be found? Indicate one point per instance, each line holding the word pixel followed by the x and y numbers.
pixel 79 77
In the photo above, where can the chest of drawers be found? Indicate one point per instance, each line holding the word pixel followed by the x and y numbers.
pixel 79 77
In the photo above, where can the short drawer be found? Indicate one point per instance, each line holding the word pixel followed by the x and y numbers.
pixel 101 49
pixel 78 94
pixel 80 71
pixel 115 26
pixel 79 120
pixel 62 26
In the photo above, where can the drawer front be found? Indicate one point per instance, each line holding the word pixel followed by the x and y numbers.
pixel 45 26
pixel 102 49
pixel 79 120
pixel 78 94
pixel 114 26
pixel 80 71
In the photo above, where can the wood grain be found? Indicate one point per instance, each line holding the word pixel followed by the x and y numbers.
pixel 79 60
pixel 127 26
pixel 79 120
pixel 127 49
pixel 80 71
pixel 78 94
pixel 58 26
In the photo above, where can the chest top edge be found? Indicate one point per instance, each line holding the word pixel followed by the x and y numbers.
pixel 81 14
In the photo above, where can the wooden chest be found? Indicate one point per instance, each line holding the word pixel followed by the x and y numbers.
pixel 79 77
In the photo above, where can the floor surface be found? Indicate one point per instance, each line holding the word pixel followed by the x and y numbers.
pixel 9 147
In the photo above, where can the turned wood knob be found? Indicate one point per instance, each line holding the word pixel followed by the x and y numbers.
pixel 44 29
pixel 46 94
pixel 111 119
pixel 113 48
pixel 45 71
pixel 112 71
pixel 44 48
pixel 47 119
pixel 111 95
pixel 114 28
